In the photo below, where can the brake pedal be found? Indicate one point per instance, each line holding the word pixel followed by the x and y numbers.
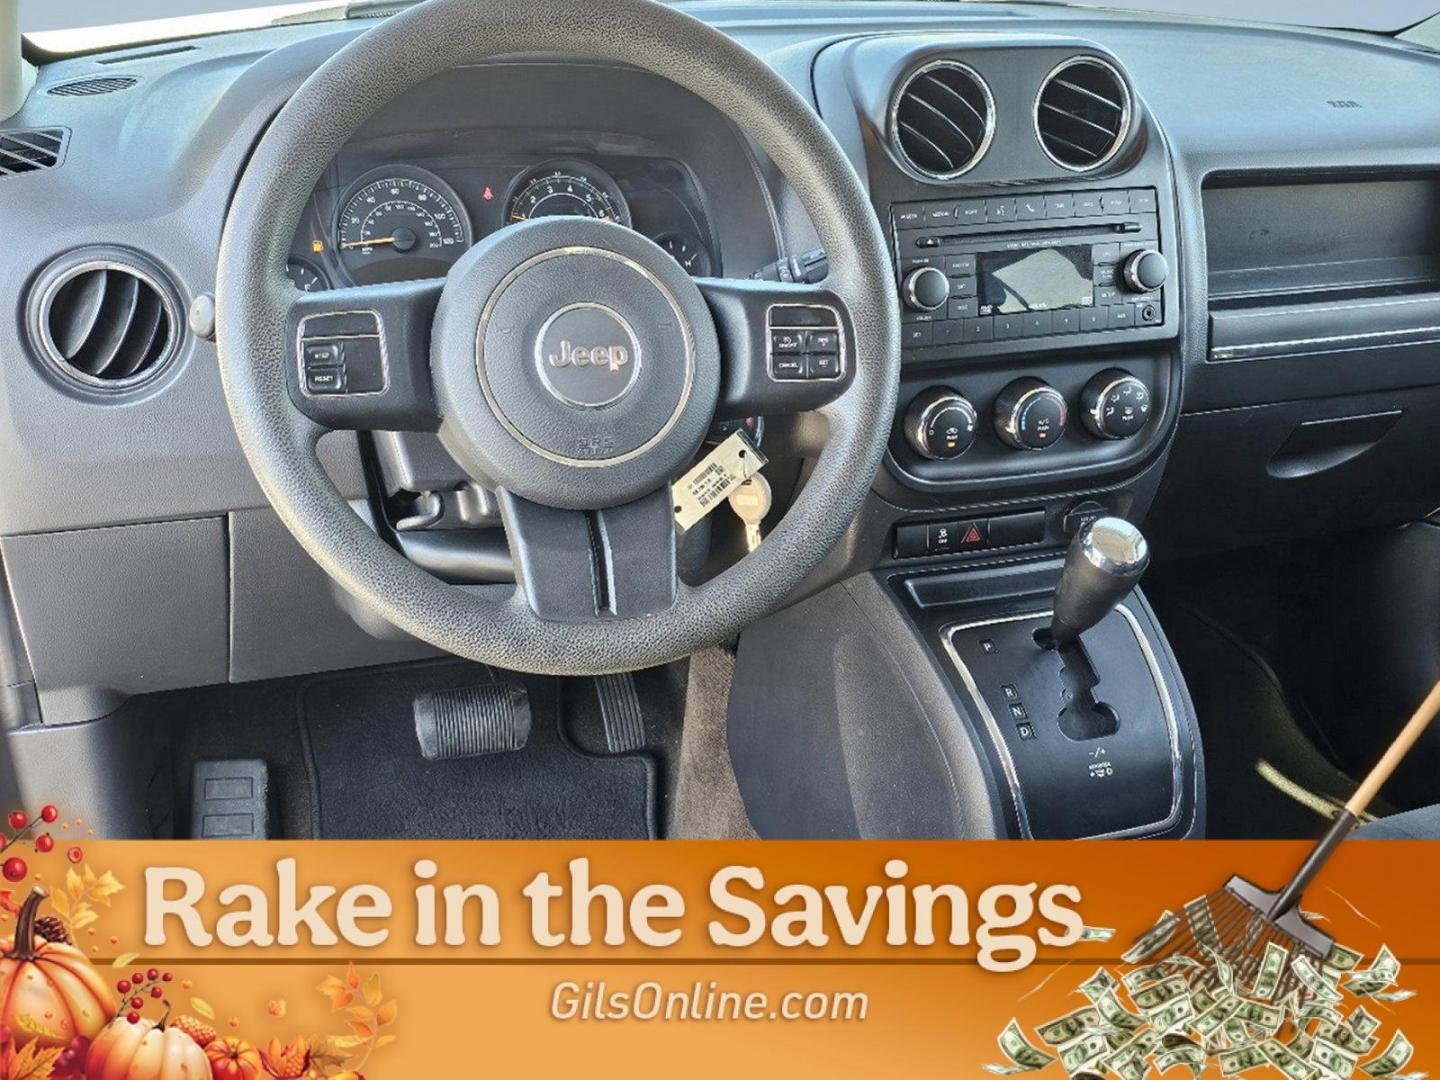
pixel 620 712
pixel 473 720
pixel 230 800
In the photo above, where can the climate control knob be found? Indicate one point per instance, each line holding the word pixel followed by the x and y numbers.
pixel 1114 404
pixel 1030 415
pixel 940 424
pixel 1144 271
pixel 926 289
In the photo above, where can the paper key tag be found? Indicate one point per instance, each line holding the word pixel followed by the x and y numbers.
pixel 710 482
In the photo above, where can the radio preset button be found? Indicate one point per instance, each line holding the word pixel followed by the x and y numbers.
pixel 1065 322
pixel 1093 318
pixel 1037 324
pixel 1008 326
pixel 917 335
pixel 977 330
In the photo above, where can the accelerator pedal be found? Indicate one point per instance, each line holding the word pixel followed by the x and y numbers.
pixel 230 800
pixel 620 713
pixel 473 720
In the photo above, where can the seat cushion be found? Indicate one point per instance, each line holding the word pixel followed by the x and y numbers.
pixel 1422 824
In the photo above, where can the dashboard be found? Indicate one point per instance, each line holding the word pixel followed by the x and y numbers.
pixel 1186 271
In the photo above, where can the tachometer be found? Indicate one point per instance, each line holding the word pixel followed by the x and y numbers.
pixel 400 223
pixel 687 251
pixel 567 188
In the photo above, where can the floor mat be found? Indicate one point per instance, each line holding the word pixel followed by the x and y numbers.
pixel 370 782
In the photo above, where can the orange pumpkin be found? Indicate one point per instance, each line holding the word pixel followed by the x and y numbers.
pixel 50 984
pixel 233 1059
pixel 145 1051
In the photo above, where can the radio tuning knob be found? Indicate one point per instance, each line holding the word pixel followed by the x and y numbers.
pixel 926 289
pixel 1030 415
pixel 1145 271
pixel 940 424
pixel 1115 404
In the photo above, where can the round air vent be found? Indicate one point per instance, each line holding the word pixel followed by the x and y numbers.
pixel 105 320
pixel 1082 113
pixel 96 84
pixel 942 120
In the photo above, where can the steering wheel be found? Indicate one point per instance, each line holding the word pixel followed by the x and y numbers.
pixel 569 364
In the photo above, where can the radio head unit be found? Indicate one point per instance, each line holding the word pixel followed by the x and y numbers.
pixel 975 271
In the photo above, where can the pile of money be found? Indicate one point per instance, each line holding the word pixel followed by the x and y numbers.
pixel 1197 1012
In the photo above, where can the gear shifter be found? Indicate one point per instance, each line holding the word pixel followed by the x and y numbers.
pixel 1105 561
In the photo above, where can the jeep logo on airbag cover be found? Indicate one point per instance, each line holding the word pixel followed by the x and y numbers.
pixel 587 355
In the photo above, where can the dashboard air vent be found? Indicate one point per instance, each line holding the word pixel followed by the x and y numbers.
pixel 942 120
pixel 104 322
pixel 29 151
pixel 1082 114
pixel 96 84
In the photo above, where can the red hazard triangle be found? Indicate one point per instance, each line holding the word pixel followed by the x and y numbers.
pixel 972 536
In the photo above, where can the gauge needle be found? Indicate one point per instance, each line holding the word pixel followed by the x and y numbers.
pixel 369 243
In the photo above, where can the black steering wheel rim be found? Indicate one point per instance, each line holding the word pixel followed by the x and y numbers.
pixel 254 299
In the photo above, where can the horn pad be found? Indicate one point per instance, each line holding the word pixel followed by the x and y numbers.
pixel 575 363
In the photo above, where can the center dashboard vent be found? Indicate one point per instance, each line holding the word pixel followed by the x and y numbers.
pixel 104 320
pixel 30 151
pixel 95 84
pixel 1082 113
pixel 942 120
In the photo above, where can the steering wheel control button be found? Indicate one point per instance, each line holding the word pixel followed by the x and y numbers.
pixel 925 289
pixel 940 424
pixel 1114 404
pixel 588 356
pixel 805 343
pixel 342 354
pixel 1030 415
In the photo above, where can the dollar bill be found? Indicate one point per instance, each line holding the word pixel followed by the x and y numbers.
pixel 1084 1052
pixel 1390 996
pixel 1266 1017
pixel 1287 1061
pixel 1361 1022
pixel 1202 923
pixel 1342 959
pixel 1333 1059
pixel 1023 1056
pixel 1242 1059
pixel 1381 973
pixel 1143 976
pixel 1153 940
pixel 1223 971
pixel 1214 1018
pixel 1069 1027
pixel 1098 985
pixel 1396 1056
pixel 1192 1057
pixel 1302 1044
pixel 1116 1015
pixel 1096 933
pixel 1346 1038
pixel 1179 1011
pixel 1161 994
pixel 1318 986
pixel 1272 967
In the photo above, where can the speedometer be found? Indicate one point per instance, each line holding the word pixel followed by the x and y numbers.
pixel 567 188
pixel 400 223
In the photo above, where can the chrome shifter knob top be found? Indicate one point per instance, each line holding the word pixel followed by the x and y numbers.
pixel 1115 546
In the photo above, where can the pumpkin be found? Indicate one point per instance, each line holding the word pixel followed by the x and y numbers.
pixel 233 1059
pixel 51 985
pixel 145 1051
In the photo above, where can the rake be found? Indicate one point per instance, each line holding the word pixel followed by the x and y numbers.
pixel 1238 922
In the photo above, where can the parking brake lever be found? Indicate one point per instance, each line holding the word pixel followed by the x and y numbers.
pixel 1105 561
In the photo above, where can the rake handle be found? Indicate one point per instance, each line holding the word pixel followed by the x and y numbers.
pixel 1344 824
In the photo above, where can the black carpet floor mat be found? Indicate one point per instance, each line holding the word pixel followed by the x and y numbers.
pixel 368 780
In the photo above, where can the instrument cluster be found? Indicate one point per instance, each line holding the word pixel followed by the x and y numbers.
pixel 404 222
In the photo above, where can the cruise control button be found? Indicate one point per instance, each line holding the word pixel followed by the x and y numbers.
pixel 787 341
pixel 823 341
pixel 822 366
pixel 788 366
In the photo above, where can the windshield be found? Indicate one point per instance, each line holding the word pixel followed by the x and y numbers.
pixel 68 26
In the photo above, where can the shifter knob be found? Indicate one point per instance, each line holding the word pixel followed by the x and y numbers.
pixel 1103 564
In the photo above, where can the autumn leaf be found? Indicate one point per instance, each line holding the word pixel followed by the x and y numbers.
pixel 124 959
pixel 352 977
pixel 337 1044
pixel 105 888
pixel 361 1013
pixel 386 1014
pixel 372 990
pixel 35 1027
pixel 88 876
pixel 84 915
pixel 384 1040
pixel 365 1031
pixel 203 1007
pixel 60 902
pixel 338 993
pixel 33 1063
pixel 73 884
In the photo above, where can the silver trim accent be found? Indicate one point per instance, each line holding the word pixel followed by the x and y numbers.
pixel 949 401
pixel 680 319
pixel 50 351
pixel 1125 112
pixel 1371 339
pixel 913 301
pixel 1132 263
pixel 1010 429
pixel 1094 423
pixel 839 329
pixel 903 84
pixel 379 335
pixel 1002 750
pixel 1115 546
pixel 540 355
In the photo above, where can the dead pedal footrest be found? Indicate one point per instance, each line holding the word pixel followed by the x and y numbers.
pixel 230 800
pixel 473 720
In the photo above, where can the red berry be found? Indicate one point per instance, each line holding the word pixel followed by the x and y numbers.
pixel 44 843
pixel 137 1003
pixel 75 854
pixel 15 869
pixel 123 986
pixel 157 993
pixel 133 1017
pixel 19 819
pixel 152 974
pixel 138 978
pixel 48 813
pixel 166 977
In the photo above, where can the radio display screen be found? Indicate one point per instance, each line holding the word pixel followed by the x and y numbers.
pixel 1036 280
